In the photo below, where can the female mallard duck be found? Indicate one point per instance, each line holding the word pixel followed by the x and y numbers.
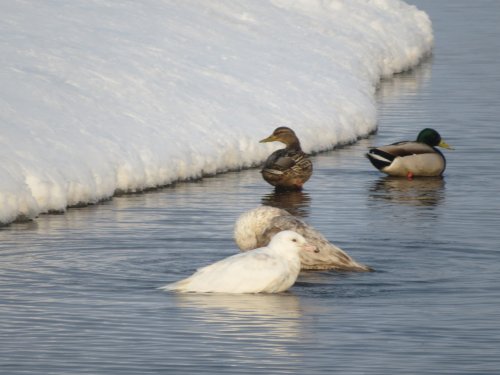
pixel 288 168
pixel 256 227
pixel 411 158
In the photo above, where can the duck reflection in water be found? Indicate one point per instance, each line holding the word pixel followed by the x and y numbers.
pixel 425 191
pixel 279 314
pixel 295 202
pixel 273 320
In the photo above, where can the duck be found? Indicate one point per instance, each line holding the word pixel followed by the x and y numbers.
pixel 287 168
pixel 272 268
pixel 256 227
pixel 410 159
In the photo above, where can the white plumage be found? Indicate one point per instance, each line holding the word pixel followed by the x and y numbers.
pixel 270 269
pixel 256 227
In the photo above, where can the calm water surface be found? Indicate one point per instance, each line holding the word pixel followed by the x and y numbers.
pixel 78 291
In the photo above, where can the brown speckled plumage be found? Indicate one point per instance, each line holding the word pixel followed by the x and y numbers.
pixel 256 227
pixel 287 168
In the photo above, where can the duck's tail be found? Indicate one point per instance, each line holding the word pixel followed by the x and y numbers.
pixel 179 286
pixel 380 159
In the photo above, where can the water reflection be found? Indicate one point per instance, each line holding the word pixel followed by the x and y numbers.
pixel 406 83
pixel 254 306
pixel 428 191
pixel 272 317
pixel 296 202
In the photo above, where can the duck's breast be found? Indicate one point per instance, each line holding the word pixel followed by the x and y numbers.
pixel 431 164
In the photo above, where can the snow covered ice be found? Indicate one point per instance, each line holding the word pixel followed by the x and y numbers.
pixel 104 96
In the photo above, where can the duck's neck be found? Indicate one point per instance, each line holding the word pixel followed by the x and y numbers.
pixel 291 256
pixel 293 145
pixel 294 264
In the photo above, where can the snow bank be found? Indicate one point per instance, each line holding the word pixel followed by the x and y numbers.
pixel 104 96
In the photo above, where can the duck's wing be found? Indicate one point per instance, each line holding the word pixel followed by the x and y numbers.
pixel 405 149
pixel 251 272
pixel 329 255
pixel 289 171
pixel 280 160
pixel 383 156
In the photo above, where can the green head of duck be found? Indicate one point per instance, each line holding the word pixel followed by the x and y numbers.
pixel 432 138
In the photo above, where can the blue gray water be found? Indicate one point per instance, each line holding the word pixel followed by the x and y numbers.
pixel 78 291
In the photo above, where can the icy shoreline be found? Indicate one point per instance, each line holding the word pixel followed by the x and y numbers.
pixel 103 97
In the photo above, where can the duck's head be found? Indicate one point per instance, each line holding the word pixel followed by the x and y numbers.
pixel 252 224
pixel 432 138
pixel 284 135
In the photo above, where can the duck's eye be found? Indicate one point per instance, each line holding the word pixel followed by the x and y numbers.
pixel 294 239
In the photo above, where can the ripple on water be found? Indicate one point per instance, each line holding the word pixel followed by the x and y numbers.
pixel 79 290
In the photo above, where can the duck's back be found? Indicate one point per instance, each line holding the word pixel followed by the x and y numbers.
pixel 251 272
pixel 287 168
pixel 406 148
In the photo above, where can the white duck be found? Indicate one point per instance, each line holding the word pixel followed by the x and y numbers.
pixel 270 269
pixel 255 228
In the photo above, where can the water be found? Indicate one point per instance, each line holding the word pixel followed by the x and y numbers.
pixel 79 290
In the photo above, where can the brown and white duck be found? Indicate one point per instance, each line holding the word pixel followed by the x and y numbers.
pixel 287 168
pixel 256 227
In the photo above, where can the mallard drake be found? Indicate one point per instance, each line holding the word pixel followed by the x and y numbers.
pixel 288 168
pixel 270 269
pixel 411 158
pixel 256 227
